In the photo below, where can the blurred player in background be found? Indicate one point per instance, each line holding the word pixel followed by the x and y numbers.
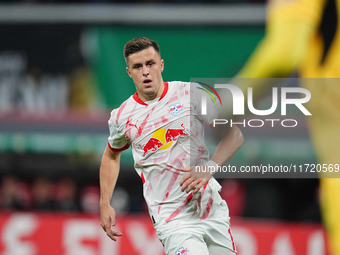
pixel 304 36
pixel 165 129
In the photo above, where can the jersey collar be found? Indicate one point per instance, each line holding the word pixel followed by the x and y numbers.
pixel 138 100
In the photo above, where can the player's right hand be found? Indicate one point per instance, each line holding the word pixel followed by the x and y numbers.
pixel 108 221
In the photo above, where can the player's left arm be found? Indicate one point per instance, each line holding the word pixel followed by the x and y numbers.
pixel 228 146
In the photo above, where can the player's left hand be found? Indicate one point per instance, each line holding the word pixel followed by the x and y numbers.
pixel 190 183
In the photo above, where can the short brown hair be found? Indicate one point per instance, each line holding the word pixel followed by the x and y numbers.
pixel 139 44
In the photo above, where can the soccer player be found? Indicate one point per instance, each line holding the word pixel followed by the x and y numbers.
pixel 164 125
pixel 304 36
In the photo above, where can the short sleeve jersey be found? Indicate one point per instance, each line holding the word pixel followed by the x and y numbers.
pixel 166 135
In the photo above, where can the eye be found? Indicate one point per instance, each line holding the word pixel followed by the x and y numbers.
pixel 137 66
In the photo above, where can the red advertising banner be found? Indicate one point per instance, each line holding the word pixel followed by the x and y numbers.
pixel 64 234
pixel 278 238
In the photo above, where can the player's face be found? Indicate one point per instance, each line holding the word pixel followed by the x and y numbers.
pixel 145 68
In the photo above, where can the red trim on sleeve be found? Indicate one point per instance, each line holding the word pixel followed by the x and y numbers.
pixel 120 149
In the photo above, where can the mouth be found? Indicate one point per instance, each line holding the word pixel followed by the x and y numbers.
pixel 147 82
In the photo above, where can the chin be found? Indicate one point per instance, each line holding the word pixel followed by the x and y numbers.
pixel 150 94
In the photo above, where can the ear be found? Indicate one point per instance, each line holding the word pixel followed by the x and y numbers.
pixel 162 65
pixel 128 71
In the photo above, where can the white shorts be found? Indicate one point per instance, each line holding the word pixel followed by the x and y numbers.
pixel 201 237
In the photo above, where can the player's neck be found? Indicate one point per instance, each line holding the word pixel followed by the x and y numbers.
pixel 145 97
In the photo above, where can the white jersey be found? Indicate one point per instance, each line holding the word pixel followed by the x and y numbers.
pixel 166 135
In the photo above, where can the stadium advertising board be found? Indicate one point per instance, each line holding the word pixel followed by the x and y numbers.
pixel 62 234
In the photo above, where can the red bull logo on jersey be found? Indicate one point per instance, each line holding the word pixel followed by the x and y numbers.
pixel 163 139
pixel 182 251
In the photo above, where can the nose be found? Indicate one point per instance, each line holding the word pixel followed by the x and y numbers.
pixel 145 70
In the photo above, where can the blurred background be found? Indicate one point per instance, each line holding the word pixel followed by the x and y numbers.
pixel 61 73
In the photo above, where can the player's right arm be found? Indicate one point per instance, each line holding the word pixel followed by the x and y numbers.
pixel 109 170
